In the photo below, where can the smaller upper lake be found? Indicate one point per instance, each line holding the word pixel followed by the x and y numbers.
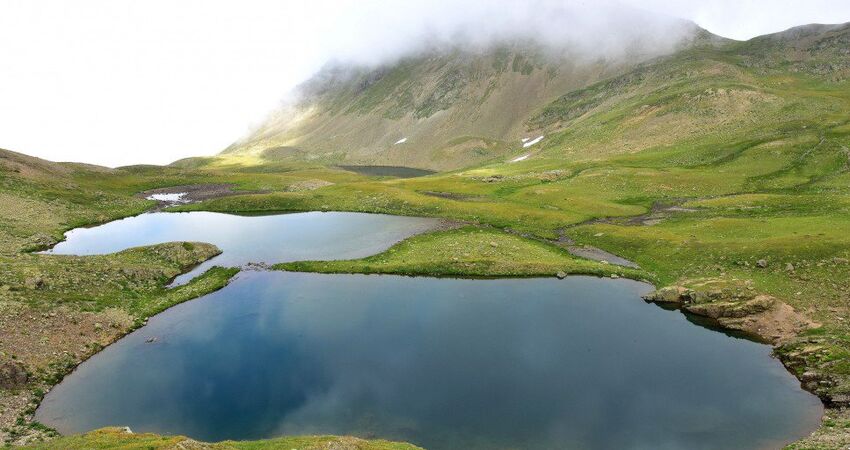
pixel 244 239
pixel 389 171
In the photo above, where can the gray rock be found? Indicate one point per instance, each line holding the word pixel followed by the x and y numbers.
pixel 12 375
pixel 670 294
pixel 561 275
pixel 789 267
pixel 762 263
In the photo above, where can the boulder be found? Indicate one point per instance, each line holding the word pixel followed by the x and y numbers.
pixel 670 294
pixel 13 375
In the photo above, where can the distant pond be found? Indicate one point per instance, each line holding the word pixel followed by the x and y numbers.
pixel 389 171
pixel 442 363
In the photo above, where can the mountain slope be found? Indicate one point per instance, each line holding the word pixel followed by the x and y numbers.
pixel 445 109
pixel 708 96
pixel 455 109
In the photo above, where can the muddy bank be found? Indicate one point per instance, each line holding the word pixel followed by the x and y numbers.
pixel 658 212
pixel 175 195
pixel 597 254
pixel 582 251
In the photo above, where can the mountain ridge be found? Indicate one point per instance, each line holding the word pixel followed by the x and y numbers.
pixel 452 107
pixel 444 111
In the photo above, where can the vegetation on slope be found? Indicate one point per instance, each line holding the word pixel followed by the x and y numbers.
pixel 480 96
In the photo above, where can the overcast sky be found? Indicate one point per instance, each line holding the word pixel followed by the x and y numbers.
pixel 118 82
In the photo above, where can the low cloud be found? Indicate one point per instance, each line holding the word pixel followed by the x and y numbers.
pixel 122 81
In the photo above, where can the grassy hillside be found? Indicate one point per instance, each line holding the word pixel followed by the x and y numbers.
pixel 453 107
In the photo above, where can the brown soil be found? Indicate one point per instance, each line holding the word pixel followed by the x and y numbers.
pixel 657 213
pixel 49 341
pixel 597 254
pixel 196 193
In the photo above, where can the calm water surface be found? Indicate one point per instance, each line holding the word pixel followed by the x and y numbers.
pixel 389 171
pixel 443 363
pixel 244 239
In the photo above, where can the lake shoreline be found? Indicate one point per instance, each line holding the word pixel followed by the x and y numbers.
pixel 830 407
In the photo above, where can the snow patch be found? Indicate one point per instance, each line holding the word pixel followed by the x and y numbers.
pixel 170 198
pixel 524 140
pixel 532 142
pixel 520 158
pixel 400 141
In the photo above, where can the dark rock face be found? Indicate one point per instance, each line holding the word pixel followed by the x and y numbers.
pixel 12 375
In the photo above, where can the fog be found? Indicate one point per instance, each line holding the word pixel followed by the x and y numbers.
pixel 117 82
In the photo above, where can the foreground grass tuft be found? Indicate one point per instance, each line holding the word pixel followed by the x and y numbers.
pixel 119 438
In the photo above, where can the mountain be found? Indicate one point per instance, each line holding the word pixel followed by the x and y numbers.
pixel 453 108
pixel 442 109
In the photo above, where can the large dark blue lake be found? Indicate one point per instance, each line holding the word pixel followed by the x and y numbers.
pixel 442 363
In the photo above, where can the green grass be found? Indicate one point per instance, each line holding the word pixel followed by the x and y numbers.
pixel 116 438
pixel 469 251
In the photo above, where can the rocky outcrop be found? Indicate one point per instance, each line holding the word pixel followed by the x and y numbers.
pixel 813 357
pixel 736 306
pixel 813 360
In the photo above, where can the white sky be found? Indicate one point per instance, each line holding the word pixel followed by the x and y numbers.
pixel 118 82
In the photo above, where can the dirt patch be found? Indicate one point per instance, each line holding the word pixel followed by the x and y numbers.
pixel 42 342
pixel 582 251
pixel 307 185
pixel 597 254
pixel 657 214
pixel 61 331
pixel 193 193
